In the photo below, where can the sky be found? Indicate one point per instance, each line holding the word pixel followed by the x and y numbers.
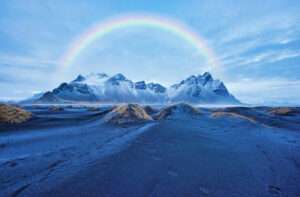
pixel 256 42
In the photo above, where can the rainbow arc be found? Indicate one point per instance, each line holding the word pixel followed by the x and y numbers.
pixel 123 21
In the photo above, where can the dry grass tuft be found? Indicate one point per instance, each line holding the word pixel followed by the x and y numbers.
pixel 72 107
pixel 182 107
pixel 36 107
pixel 55 108
pixel 280 111
pixel 10 114
pixel 93 108
pixel 128 114
pixel 217 114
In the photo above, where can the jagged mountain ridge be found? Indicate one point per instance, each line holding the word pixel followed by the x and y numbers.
pixel 103 88
pixel 201 88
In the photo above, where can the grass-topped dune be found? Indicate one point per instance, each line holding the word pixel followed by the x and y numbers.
pixel 128 114
pixel 217 114
pixel 56 108
pixel 72 107
pixel 283 111
pixel 245 113
pixel 182 108
pixel 264 116
pixel 93 108
pixel 11 114
pixel 37 107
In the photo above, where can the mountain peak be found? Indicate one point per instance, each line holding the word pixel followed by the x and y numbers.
pixel 207 76
pixel 119 77
pixel 192 80
pixel 80 78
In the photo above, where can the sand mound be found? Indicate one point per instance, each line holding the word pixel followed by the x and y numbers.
pixel 281 111
pixel 216 114
pixel 261 115
pixel 181 108
pixel 36 107
pixel 92 108
pixel 55 108
pixel 128 114
pixel 150 110
pixel 239 110
pixel 247 112
pixel 72 107
pixel 10 114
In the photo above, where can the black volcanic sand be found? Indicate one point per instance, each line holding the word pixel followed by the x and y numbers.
pixel 74 152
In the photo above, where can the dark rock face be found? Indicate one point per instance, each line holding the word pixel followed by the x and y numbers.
pixel 78 79
pixel 140 85
pixel 48 97
pixel 156 87
pixel 63 87
pixel 75 91
pixel 205 78
pixel 220 89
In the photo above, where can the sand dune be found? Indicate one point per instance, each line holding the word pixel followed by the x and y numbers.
pixel 75 152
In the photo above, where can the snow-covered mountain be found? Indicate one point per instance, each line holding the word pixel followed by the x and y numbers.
pixel 103 88
pixel 201 88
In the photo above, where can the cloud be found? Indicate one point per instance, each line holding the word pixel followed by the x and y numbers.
pixel 5 99
pixel 26 91
pixel 26 62
pixel 251 29
pixel 270 89
pixel 282 56
pixel 260 58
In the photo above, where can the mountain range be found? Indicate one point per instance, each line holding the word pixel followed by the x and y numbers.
pixel 99 87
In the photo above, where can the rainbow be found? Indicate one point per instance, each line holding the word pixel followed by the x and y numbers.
pixel 107 26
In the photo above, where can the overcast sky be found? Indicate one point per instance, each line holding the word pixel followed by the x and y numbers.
pixel 256 42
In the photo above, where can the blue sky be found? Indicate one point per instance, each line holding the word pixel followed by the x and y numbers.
pixel 257 43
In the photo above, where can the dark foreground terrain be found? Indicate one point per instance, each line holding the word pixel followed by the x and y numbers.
pixel 73 151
